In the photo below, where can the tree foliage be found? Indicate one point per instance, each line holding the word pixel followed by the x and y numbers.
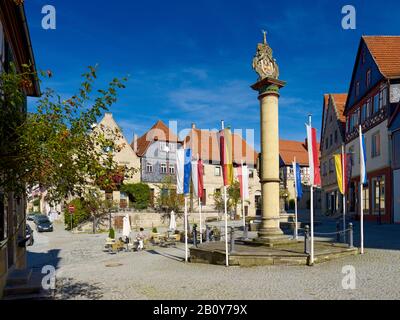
pixel 98 206
pixel 57 146
pixel 81 214
pixel 233 198
pixel 167 199
pixel 139 194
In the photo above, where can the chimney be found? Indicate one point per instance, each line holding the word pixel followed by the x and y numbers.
pixel 134 142
pixel 193 125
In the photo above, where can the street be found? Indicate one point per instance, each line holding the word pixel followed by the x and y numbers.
pixel 85 271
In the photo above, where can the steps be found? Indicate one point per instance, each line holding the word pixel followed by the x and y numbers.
pixel 24 284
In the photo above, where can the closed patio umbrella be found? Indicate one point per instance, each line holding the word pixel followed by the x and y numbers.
pixel 172 221
pixel 126 226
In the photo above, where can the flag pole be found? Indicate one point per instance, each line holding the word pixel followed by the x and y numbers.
pixel 361 197
pixel 201 232
pixel 311 205
pixel 243 214
pixel 199 204
pixel 226 212
pixel 295 199
pixel 186 233
pixel 344 193
pixel 186 220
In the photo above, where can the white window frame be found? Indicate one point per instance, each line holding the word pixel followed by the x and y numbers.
pixel 149 167
pixel 163 168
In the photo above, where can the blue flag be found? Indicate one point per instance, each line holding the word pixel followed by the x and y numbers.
pixel 297 180
pixel 187 171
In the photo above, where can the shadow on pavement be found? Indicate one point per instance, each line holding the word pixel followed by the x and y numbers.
pixel 166 255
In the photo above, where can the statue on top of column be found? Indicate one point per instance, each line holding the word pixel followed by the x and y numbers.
pixel 263 62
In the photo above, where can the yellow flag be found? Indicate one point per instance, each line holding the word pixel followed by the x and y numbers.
pixel 226 156
pixel 339 172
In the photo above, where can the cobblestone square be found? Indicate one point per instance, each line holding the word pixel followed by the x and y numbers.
pixel 85 271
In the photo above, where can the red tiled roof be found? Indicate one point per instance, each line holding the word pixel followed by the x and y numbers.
pixel 158 132
pixel 386 52
pixel 206 146
pixel 340 102
pixel 289 149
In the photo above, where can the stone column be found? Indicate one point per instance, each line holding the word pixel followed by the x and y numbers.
pixel 268 89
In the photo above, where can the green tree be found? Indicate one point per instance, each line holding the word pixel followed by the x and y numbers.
pixel 218 200
pixel 233 192
pixel 139 194
pixel 168 199
pixel 233 198
pixel 81 214
pixel 99 207
pixel 57 146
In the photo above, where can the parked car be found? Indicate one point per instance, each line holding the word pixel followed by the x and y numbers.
pixel 29 235
pixel 39 216
pixel 31 216
pixel 43 224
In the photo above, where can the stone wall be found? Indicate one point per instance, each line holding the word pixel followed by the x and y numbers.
pixel 154 219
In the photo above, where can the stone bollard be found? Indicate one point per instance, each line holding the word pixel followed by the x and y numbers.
pixel 194 232
pixel 350 235
pixel 307 239
pixel 246 231
pixel 232 237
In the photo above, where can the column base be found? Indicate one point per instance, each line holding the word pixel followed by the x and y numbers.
pixel 272 237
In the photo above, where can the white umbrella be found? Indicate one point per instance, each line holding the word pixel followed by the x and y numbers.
pixel 172 221
pixel 126 226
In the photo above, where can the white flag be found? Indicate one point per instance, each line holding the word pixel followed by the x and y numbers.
pixel 243 174
pixel 180 169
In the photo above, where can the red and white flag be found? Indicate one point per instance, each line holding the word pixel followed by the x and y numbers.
pixel 313 158
pixel 243 175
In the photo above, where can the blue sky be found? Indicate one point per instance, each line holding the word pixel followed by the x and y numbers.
pixel 190 61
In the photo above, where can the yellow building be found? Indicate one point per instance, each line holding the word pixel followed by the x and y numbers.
pixel 126 157
pixel 204 144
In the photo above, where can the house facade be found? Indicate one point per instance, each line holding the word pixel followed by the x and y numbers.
pixel 332 140
pixel 15 46
pixel 290 150
pixel 372 97
pixel 125 157
pixel 205 146
pixel 156 150
pixel 394 138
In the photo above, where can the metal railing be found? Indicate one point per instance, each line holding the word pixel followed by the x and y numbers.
pixel 307 236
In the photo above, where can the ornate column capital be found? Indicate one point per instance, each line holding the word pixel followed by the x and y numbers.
pixel 268 86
